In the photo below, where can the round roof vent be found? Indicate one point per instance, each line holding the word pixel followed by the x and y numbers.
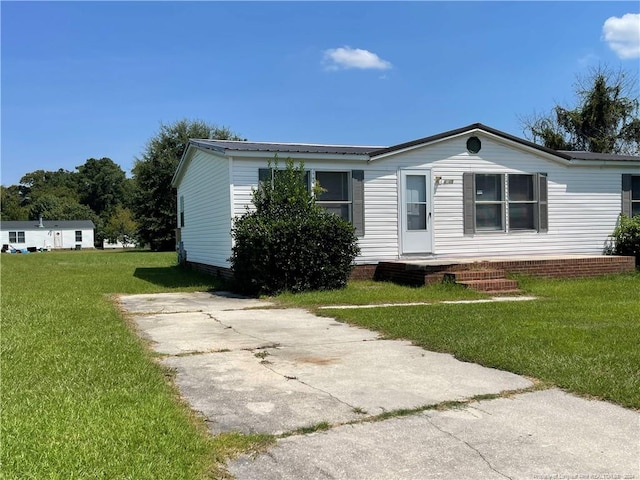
pixel 473 144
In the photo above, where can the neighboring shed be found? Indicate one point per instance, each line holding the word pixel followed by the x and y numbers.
pixel 48 234
pixel 465 193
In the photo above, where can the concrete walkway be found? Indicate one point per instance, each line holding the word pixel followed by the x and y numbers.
pixel 254 369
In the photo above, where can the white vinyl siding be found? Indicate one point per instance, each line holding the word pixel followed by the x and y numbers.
pixel 204 190
pixel 583 202
pixel 48 238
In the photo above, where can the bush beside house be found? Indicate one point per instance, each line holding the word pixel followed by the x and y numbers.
pixel 626 237
pixel 288 243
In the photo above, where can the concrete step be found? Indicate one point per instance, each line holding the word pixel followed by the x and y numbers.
pixel 491 285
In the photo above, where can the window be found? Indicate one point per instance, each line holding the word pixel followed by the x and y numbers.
pixel 631 195
pixel 181 224
pixel 334 195
pixel 342 192
pixel 78 235
pixel 489 201
pixel 504 202
pixel 16 237
pixel 635 195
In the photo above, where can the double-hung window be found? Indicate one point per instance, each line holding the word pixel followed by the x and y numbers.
pixel 16 237
pixel 340 192
pixel 500 202
pixel 334 195
pixel 78 235
pixel 631 194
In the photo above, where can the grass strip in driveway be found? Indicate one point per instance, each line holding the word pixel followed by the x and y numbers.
pixel 80 396
pixel 580 335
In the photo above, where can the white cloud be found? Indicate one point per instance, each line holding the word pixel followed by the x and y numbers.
pixel 347 57
pixel 623 35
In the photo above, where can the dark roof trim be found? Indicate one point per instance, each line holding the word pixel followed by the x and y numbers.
pixel 468 128
pixel 600 156
pixel 46 224
pixel 241 146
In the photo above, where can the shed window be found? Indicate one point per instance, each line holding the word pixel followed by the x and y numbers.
pixel 78 235
pixel 16 237
pixel 504 202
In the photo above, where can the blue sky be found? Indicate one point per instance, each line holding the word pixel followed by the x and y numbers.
pixel 96 79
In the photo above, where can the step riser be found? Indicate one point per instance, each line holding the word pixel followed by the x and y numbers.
pixel 495 285
pixel 467 275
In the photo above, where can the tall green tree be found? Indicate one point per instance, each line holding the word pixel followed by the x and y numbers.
pixel 60 183
pixel 101 185
pixel 154 202
pixel 604 119
pixel 121 227
pixel 11 206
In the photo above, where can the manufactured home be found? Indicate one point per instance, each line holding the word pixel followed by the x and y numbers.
pixel 466 193
pixel 48 234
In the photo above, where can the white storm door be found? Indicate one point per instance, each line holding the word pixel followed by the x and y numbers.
pixel 415 209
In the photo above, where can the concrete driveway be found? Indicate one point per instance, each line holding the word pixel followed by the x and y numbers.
pixel 251 368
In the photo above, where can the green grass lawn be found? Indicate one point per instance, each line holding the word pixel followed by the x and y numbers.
pixel 581 335
pixel 81 397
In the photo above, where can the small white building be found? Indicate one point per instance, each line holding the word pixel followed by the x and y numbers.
pixel 470 192
pixel 47 234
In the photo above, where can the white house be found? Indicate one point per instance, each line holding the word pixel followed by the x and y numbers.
pixel 469 192
pixel 47 234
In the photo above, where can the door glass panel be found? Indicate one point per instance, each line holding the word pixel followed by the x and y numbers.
pixel 416 202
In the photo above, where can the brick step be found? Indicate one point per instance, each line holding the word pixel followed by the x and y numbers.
pixel 491 285
pixel 467 275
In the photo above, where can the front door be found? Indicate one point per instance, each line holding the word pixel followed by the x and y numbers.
pixel 416 211
pixel 57 239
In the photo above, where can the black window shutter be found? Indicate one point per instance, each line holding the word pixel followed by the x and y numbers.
pixel 543 205
pixel 468 203
pixel 357 191
pixel 626 194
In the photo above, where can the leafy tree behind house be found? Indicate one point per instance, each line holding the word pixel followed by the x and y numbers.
pixel 154 204
pixel 121 227
pixel 604 120
pixel 288 242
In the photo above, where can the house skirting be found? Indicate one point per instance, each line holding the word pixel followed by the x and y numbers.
pixel 220 272
pixel 424 272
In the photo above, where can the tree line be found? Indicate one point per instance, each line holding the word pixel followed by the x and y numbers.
pixel 138 210
pixel 142 209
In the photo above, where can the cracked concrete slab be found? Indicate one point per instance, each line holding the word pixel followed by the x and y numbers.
pixel 187 302
pixel 546 434
pixel 235 392
pixel 251 368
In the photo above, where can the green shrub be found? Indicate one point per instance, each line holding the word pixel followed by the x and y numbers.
pixel 626 237
pixel 289 243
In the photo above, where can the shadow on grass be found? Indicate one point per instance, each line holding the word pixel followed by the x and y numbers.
pixel 178 277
